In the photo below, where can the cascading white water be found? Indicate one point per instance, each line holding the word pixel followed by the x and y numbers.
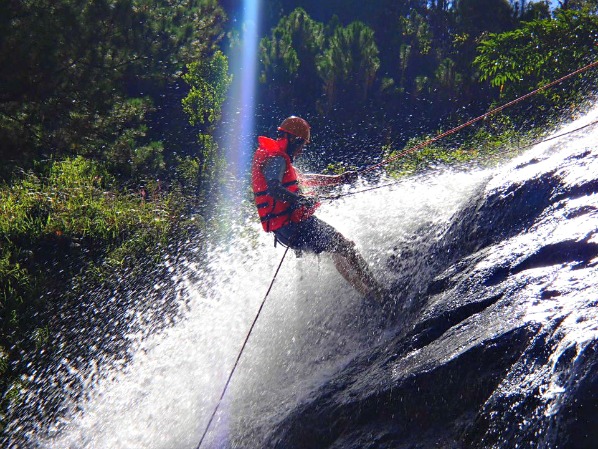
pixel 164 396
pixel 311 325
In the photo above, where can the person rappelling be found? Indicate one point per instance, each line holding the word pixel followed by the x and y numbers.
pixel 288 213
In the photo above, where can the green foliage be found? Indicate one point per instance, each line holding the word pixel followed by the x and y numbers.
pixel 16 281
pixel 416 38
pixel 349 64
pixel 497 139
pixel 338 168
pixel 416 32
pixel 41 336
pixel 413 59
pixel 187 174
pixel 476 17
pixel 72 206
pixel 448 79
pixel 68 67
pixel 75 202
pixel 539 52
pixel 3 361
pixel 419 160
pixel 279 59
pixel 535 11
pixel 209 81
pixel 56 226
pixel 126 151
pixel 302 59
pixel 289 55
pixel 13 396
pixel 590 6
pixel 85 94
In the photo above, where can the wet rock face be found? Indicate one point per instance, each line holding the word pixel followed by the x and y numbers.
pixel 496 342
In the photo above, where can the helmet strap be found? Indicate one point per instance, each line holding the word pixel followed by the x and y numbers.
pixel 293 145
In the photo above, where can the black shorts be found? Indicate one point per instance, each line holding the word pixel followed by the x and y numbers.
pixel 313 235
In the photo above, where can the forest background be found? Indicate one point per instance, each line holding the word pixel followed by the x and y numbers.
pixel 109 112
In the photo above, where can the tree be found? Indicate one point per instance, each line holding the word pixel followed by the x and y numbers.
pixel 447 79
pixel 580 5
pixel 473 20
pixel 541 51
pixel 209 81
pixel 414 51
pixel 534 10
pixel 288 58
pixel 349 65
pixel 538 52
pixel 475 17
pixel 67 67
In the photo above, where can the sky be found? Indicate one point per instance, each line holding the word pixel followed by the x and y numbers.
pixel 554 4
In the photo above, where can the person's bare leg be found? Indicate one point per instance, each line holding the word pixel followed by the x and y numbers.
pixel 350 274
pixel 352 266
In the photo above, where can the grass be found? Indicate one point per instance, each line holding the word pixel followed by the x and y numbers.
pixel 68 223
pixel 65 219
pixel 494 140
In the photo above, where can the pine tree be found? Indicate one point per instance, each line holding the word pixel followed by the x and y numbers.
pixel 349 65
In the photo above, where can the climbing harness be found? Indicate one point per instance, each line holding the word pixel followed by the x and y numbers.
pixel 374 167
pixel 230 376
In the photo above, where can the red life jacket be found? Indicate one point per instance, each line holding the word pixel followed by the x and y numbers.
pixel 275 214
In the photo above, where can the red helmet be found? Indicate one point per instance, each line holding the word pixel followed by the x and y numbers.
pixel 297 127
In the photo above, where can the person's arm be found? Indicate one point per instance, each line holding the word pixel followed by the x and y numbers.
pixel 314 180
pixel 274 171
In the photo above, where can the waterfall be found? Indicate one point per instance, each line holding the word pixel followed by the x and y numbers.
pixel 313 326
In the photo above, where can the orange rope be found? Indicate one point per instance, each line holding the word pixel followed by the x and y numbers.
pixel 477 119
pixel 392 183
pixel 410 150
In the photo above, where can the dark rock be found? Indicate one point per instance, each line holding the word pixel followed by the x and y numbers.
pixel 497 345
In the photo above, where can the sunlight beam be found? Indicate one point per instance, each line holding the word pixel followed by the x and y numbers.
pixel 237 137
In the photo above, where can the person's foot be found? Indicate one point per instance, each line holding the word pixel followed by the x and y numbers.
pixel 380 294
pixel 387 299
